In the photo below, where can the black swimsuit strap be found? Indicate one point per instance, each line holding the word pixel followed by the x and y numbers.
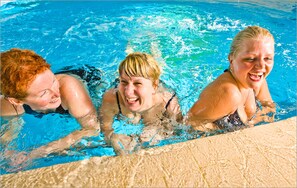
pixel 119 105
pixel 170 100
pixel 118 102
pixel 28 110
pixel 61 110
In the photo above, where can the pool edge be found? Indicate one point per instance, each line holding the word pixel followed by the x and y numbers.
pixel 262 156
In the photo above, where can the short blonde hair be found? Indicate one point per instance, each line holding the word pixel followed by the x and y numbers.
pixel 141 65
pixel 250 32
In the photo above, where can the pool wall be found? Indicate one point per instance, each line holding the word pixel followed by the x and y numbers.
pixel 262 156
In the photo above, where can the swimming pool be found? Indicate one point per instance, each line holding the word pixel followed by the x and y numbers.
pixel 192 39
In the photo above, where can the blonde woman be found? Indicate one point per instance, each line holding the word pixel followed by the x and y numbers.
pixel 232 100
pixel 139 96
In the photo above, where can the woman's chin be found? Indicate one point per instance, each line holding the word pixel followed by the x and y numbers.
pixel 133 107
pixel 134 110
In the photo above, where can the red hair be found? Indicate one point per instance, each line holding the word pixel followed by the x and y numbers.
pixel 18 70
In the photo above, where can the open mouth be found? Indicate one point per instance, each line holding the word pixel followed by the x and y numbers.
pixel 256 76
pixel 132 100
pixel 55 100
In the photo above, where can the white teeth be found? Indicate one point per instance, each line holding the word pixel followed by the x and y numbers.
pixel 54 100
pixel 257 74
pixel 131 99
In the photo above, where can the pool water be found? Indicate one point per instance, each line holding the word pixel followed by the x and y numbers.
pixel 191 38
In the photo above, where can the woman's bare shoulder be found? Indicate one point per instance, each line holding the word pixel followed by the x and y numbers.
pixel 222 90
pixel 68 78
pixel 110 95
pixel 7 109
pixel 224 83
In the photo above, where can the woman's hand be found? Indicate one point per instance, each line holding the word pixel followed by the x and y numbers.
pixel 17 161
pixel 123 144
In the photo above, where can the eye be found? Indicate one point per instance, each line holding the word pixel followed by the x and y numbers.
pixel 250 59
pixel 123 82
pixel 268 58
pixel 44 93
pixel 137 83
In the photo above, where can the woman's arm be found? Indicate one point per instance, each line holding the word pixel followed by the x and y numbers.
pixel 10 129
pixel 76 99
pixel 268 107
pixel 264 95
pixel 21 159
pixel 216 101
pixel 107 111
pixel 121 143
pixel 9 109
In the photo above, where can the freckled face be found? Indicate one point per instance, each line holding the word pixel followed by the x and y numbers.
pixel 253 62
pixel 44 93
pixel 136 92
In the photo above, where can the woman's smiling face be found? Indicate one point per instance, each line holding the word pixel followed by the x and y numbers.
pixel 136 92
pixel 43 92
pixel 252 62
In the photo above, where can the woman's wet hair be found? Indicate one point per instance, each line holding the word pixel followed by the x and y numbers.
pixel 18 70
pixel 140 65
pixel 250 32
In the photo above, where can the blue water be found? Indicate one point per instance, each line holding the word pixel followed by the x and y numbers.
pixel 192 38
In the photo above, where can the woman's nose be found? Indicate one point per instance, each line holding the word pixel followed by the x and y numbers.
pixel 56 93
pixel 129 89
pixel 260 64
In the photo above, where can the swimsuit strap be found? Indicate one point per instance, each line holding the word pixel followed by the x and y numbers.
pixel 170 100
pixel 228 70
pixel 61 110
pixel 28 109
pixel 118 102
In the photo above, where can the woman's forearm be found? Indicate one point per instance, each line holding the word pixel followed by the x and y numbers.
pixel 63 143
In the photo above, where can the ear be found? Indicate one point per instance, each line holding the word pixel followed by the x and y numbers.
pixel 230 58
pixel 156 85
pixel 14 101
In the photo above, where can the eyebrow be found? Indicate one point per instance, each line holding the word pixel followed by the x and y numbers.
pixel 47 88
pixel 253 53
